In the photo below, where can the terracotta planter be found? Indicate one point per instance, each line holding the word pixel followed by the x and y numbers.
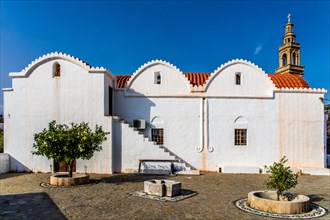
pixel 267 201
pixel 64 180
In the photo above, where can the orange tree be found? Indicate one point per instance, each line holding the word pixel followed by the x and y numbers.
pixel 62 142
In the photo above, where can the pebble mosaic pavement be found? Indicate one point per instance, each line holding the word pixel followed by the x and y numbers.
pixel 22 197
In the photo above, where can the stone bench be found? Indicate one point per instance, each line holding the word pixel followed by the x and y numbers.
pixel 157 160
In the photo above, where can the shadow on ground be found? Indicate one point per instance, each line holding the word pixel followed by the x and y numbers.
pixel 315 198
pixel 10 175
pixel 29 206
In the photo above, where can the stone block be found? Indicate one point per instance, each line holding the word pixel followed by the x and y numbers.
pixel 172 188
pixel 168 188
pixel 155 187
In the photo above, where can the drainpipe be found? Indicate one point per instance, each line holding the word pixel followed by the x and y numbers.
pixel 200 148
pixel 204 134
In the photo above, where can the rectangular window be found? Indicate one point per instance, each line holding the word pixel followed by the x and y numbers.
pixel 157 135
pixel 158 78
pixel 240 137
pixel 238 79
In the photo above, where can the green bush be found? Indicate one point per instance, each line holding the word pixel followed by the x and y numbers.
pixel 62 142
pixel 282 178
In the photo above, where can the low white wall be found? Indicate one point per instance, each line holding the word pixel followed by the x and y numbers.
pixel 4 163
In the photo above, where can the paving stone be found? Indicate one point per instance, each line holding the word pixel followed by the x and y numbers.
pixel 110 199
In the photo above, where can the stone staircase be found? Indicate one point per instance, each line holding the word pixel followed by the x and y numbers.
pixel 186 164
pixel 181 165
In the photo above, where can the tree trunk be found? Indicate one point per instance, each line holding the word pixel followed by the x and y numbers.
pixel 71 167
pixel 278 195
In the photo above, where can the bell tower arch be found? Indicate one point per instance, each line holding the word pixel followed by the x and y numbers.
pixel 289 52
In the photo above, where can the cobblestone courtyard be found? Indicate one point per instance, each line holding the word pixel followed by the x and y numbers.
pixel 22 197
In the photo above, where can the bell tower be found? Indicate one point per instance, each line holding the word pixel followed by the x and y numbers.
pixel 289 53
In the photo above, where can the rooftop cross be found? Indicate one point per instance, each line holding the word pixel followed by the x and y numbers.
pixel 289 15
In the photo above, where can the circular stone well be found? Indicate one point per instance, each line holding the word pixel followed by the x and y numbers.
pixel 64 179
pixel 267 201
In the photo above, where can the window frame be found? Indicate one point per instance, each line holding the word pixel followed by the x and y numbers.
pixel 157 135
pixel 238 79
pixel 56 70
pixel 240 137
pixel 157 78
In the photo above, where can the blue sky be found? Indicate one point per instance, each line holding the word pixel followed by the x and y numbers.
pixel 193 35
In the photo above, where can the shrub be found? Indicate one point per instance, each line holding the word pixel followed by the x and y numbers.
pixel 282 178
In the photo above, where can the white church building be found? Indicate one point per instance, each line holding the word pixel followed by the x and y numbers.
pixel 235 119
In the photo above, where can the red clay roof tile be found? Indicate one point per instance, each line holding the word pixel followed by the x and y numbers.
pixel 122 80
pixel 197 78
pixel 288 81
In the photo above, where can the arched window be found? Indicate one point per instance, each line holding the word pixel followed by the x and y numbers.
pixel 293 58
pixel 284 59
pixel 158 78
pixel 241 131
pixel 238 78
pixel 56 70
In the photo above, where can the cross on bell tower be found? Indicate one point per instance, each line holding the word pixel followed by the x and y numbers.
pixel 289 52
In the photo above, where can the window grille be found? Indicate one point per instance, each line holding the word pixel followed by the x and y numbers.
pixel 157 135
pixel 240 137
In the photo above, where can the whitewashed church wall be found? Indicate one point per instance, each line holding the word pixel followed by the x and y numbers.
pixel 258 116
pixel 75 96
pixel 179 117
pixel 108 84
pixel 172 81
pixel 254 82
pixel 131 147
pixel 290 124
pixel 301 128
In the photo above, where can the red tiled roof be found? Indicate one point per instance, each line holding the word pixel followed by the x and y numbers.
pixel 197 78
pixel 122 80
pixel 288 81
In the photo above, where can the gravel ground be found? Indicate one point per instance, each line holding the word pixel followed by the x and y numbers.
pixel 108 197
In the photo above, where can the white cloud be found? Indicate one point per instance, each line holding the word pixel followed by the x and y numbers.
pixel 258 49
